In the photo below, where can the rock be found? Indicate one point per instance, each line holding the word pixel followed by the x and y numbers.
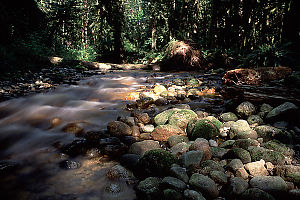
pixel 180 173
pixel 266 108
pixel 159 89
pixel 118 172
pixel 144 102
pixel 93 153
pixel 245 109
pixel 113 188
pixel 163 132
pixel 145 136
pixel 286 110
pixel 156 163
pixel 218 152
pixel 74 128
pixel 289 173
pixel 218 177
pixel 255 119
pixel 202 145
pixel 213 143
pixel 128 120
pixel 191 158
pixel 140 148
pixel 204 185
pixel 215 122
pixel 237 186
pixel 201 114
pixel 239 126
pixel 149 188
pixel 241 172
pixel 210 165
pixel 239 153
pixel 109 141
pixel 148 128
pixel 142 117
pixel 227 144
pixel 234 165
pixel 135 131
pixel 170 194
pixel 179 149
pixel 115 150
pixel 129 161
pixel 69 164
pixel 258 153
pixel 173 183
pixel 163 117
pixel 203 128
pixel 256 194
pixel 275 146
pixel 229 116
pixel 117 128
pixel 76 148
pixel 192 195
pixel 181 118
pixel 178 82
pixel 161 101
pixel 182 106
pixel 294 194
pixel 193 82
pixel 257 168
pixel 267 132
pixel 175 139
pixel 247 134
pixel 271 184
pixel 245 143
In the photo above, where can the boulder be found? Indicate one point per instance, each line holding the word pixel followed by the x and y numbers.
pixel 210 165
pixel 158 89
pixel 255 119
pixel 180 173
pixel 140 148
pixel 234 165
pixel 267 132
pixel 118 128
pixel 276 146
pixel 237 186
pixel 283 111
pixel 218 177
pixel 218 152
pixel 118 172
pixel 271 184
pixel 173 183
pixel 245 109
pixel 239 126
pixel 229 116
pixel 202 145
pixel 179 149
pixel 175 139
pixel 258 153
pixel 182 117
pixel 204 184
pixel 245 143
pixel 163 132
pixel 170 194
pixel 257 168
pixel 202 128
pixel 239 153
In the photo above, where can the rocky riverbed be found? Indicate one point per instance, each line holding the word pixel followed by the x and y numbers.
pixel 181 139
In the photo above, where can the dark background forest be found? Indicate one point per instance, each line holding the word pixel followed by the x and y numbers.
pixel 237 33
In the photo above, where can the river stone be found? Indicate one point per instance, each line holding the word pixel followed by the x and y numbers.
pixel 213 143
pixel 147 128
pixel 159 89
pixel 218 152
pixel 256 194
pixel 202 128
pixel 289 173
pixel 118 172
pixel 155 163
pixel 141 117
pixel 150 188
pixel 128 120
pixel 266 108
pixel 245 143
pixel 247 134
pixel 163 117
pixel 229 116
pixel 161 101
pixel 267 132
pixel 117 128
pixel 178 82
pixel 180 173
pixel 257 168
pixel 241 172
pixel 179 149
pixel 218 177
pixel 202 145
pixel 175 139
pixel 258 153
pixel 239 153
pixel 193 82
pixel 282 111
pixel 173 183
pixel 170 194
pixel 70 164
pixel 191 158
pixel 275 146
pixel 113 188
pixel 239 126
pixel 109 141
pixel 294 194
pixel 74 128
pixel 135 131
pixel 163 132
pixel 245 109
pixel 215 122
pixel 181 117
pixel 210 165
pixel 237 186
pixel 182 106
pixel 227 144
pixel 193 195
pixel 270 184
pixel 115 150
pixel 235 164
pixel 204 185
pixel 140 148
pixel 255 119
pixel 129 161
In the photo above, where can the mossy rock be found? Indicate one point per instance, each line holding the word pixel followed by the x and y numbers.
pixel 229 116
pixel 267 132
pixel 193 82
pixel 276 146
pixel 156 163
pixel 239 153
pixel 215 122
pixel 203 128
pixel 163 117
pixel 289 173
pixel 258 153
pixel 182 117
pixel 255 119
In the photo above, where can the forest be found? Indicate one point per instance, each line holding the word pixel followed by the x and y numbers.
pixel 250 33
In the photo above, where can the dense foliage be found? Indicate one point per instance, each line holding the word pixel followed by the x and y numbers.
pixel 245 32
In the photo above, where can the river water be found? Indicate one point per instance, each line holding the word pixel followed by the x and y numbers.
pixel 29 127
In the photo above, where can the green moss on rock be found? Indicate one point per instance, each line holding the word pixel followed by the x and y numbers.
pixel 203 128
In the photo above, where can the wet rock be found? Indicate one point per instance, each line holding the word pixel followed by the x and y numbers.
pixel 118 172
pixel 74 128
pixel 255 119
pixel 193 195
pixel 141 117
pixel 179 149
pixel 129 140
pixel 149 188
pixel 115 150
pixel 170 194
pixel 173 183
pixel 163 132
pixel 158 89
pixel 117 128
pixel 266 108
pixel 178 82
pixel 202 128
pixel 180 173
pixel 93 153
pixel 239 153
pixel 109 141
pixel 95 136
pixel 156 163
pixel 135 131
pixel 201 114
pixel 218 152
pixel 215 122
pixel 204 184
pixel 245 109
pixel 255 194
pixel 148 128
pixel 113 188
pixel 218 177
pixel 161 101
pixel 229 116
pixel 270 184
pixel 76 148
pixel 294 194
pixel 257 168
pixel 140 148
pixel 130 161
pixel 289 173
pixel 202 145
pixel 193 82
pixel 191 158
pixel 128 120
pixel 245 143
pixel 286 110
pixel 258 153
pixel 175 139
pixel 235 164
pixel 144 102
pixel 182 106
pixel 69 164
pixel 237 186
pixel 145 136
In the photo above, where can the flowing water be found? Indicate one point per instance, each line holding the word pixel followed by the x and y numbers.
pixel 30 126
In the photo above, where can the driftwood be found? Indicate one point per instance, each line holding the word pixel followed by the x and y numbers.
pixel 256 76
